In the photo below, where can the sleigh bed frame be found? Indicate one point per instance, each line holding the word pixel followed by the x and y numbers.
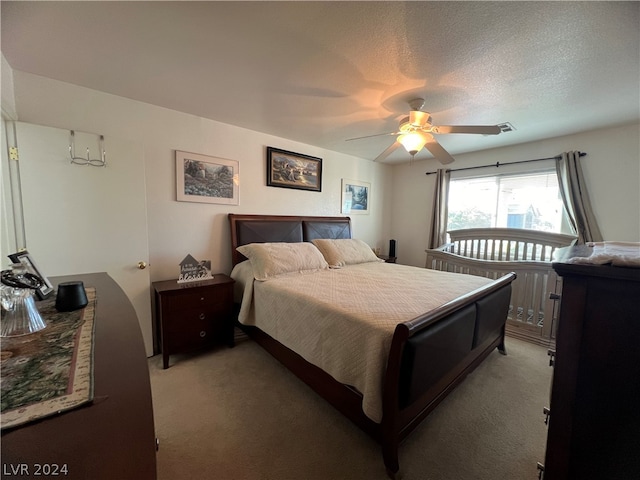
pixel 418 376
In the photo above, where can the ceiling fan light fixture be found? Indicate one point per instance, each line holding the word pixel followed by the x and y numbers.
pixel 419 119
pixel 413 142
pixel 416 130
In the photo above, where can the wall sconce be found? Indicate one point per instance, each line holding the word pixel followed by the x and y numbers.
pixel 94 162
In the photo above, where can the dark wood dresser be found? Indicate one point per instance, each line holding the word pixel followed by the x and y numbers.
pixel 594 423
pixel 112 438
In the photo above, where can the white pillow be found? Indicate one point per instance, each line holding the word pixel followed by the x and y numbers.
pixel 270 260
pixel 345 251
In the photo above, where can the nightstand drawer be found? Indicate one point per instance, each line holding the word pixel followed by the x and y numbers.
pixel 195 333
pixel 195 319
pixel 205 299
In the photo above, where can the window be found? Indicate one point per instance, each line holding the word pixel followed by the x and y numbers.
pixel 529 201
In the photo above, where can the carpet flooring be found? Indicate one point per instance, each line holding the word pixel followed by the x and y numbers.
pixel 238 414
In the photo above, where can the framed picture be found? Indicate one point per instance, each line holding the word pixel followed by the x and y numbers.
pixel 25 259
pixel 355 197
pixel 200 178
pixel 293 170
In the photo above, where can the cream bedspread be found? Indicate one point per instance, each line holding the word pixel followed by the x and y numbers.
pixel 342 320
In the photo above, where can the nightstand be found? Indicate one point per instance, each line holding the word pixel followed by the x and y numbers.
pixel 192 315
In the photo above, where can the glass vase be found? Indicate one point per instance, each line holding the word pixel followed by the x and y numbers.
pixel 20 315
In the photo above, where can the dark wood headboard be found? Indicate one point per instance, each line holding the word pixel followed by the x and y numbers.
pixel 283 228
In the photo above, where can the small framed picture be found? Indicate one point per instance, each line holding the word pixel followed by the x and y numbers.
pixel 205 179
pixel 293 170
pixel 355 197
pixel 25 259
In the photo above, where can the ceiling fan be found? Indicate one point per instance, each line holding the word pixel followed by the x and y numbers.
pixel 416 132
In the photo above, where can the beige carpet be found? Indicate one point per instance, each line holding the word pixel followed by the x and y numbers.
pixel 238 414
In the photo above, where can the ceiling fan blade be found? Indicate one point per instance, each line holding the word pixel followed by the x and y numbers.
pixel 438 152
pixel 480 129
pixel 389 150
pixel 370 136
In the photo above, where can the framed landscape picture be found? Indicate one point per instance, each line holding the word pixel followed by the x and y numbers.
pixel 201 178
pixel 355 197
pixel 293 170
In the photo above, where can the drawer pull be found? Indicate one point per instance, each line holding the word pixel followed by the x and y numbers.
pixel 546 412
pixel 202 299
pixel 203 334
pixel 202 316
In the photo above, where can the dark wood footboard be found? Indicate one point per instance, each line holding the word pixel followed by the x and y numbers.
pixel 432 354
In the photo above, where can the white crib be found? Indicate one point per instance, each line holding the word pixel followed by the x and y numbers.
pixel 493 252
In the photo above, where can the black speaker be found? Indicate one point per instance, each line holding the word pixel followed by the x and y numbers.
pixel 71 296
pixel 392 248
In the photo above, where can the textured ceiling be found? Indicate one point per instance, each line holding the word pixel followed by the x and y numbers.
pixel 323 72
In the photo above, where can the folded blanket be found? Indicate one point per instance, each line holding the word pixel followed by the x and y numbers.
pixel 620 254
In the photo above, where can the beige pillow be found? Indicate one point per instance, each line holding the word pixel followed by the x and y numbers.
pixel 345 251
pixel 270 260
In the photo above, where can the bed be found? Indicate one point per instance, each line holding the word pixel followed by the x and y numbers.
pixel 385 353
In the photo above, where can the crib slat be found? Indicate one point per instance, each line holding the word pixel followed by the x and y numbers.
pixel 538 299
pixel 543 253
pixel 527 303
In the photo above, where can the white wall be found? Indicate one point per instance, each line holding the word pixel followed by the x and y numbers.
pixel 7 225
pixel 178 228
pixel 6 79
pixel 611 169
pixel 7 230
pixel 402 195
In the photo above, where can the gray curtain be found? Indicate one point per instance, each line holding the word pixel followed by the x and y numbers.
pixel 439 218
pixel 576 199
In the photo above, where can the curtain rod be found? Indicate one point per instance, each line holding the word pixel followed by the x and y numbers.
pixel 498 164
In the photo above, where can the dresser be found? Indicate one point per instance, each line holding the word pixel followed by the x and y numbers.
pixel 594 422
pixel 112 438
pixel 192 315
